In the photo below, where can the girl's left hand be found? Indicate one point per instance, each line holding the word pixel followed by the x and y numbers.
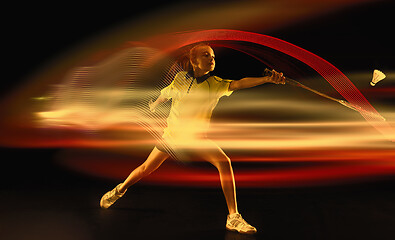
pixel 151 105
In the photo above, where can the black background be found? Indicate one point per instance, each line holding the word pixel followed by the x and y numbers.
pixel 41 200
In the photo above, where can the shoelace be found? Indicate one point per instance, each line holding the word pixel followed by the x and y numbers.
pixel 112 196
pixel 238 222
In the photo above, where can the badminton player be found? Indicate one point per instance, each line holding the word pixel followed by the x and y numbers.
pixel 194 94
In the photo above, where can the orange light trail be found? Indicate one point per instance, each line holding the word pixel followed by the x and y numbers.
pixel 186 175
pixel 312 142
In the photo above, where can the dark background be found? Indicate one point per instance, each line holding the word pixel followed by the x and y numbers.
pixel 41 200
pixel 354 38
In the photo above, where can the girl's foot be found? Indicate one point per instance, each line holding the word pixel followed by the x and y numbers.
pixel 235 222
pixel 110 197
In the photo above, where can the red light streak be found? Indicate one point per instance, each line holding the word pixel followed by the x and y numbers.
pixel 187 175
pixel 329 72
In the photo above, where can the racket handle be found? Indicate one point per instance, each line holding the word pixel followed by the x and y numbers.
pixel 267 72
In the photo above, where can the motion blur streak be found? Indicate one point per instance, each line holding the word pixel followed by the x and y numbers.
pixel 348 150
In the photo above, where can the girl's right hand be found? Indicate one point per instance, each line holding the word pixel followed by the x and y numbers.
pixel 277 77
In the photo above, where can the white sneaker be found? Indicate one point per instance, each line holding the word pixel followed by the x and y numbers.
pixel 110 197
pixel 235 222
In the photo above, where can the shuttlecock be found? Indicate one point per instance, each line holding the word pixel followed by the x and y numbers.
pixel 377 77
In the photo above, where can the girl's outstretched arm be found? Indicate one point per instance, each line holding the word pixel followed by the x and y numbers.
pixel 277 78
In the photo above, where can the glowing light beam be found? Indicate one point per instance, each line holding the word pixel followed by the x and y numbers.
pixel 334 76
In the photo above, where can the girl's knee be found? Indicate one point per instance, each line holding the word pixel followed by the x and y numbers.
pixel 223 163
pixel 143 170
pixel 146 170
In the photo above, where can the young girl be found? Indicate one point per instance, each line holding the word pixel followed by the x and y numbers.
pixel 194 96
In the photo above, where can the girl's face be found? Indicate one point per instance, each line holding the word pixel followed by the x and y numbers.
pixel 204 59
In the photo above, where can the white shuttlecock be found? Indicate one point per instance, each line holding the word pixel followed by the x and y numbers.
pixel 377 77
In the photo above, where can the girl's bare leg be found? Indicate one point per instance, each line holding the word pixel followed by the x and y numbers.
pixel 221 161
pixel 154 160
pixel 218 158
